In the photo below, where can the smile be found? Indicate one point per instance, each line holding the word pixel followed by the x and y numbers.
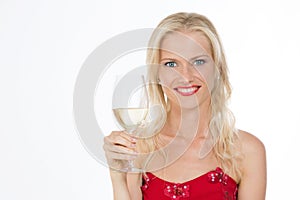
pixel 187 91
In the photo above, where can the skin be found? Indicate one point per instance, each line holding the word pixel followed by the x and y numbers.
pixel 184 67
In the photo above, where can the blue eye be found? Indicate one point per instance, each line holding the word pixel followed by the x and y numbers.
pixel 171 64
pixel 199 62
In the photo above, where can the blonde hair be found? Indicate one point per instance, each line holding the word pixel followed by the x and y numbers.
pixel 222 122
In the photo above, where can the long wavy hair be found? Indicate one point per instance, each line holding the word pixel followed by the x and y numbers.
pixel 222 122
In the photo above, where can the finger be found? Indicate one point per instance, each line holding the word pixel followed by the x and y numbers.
pixel 120 138
pixel 118 156
pixel 119 141
pixel 118 149
pixel 119 152
pixel 128 136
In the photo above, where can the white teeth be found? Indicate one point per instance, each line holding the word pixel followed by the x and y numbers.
pixel 187 90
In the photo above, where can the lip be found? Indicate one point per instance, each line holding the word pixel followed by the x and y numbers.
pixel 187 90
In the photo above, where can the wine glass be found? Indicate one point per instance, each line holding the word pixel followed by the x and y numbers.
pixel 131 108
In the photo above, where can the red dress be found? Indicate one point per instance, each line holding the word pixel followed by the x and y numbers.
pixel 214 185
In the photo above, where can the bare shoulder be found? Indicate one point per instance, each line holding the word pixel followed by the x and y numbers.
pixel 254 175
pixel 250 144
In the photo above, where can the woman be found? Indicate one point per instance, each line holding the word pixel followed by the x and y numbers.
pixel 198 154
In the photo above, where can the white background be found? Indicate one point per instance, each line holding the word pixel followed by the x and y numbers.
pixel 43 44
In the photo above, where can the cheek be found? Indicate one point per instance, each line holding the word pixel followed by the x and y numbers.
pixel 169 92
pixel 167 88
pixel 167 76
pixel 207 74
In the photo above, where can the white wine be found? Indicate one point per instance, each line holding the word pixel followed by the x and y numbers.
pixel 130 118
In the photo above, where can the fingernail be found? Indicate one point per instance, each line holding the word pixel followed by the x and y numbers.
pixel 132 145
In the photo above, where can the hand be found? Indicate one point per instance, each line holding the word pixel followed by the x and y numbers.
pixel 119 147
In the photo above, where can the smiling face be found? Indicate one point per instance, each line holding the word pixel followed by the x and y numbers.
pixel 187 70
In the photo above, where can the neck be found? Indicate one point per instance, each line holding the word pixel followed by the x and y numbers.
pixel 188 122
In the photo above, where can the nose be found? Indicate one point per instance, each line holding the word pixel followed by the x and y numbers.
pixel 188 73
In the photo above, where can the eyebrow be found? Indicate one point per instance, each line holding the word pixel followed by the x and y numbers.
pixel 199 56
pixel 193 58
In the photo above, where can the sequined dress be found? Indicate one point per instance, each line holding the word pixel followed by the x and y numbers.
pixel 214 185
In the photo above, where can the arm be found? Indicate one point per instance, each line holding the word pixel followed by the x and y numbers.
pixel 126 186
pixel 119 183
pixel 119 149
pixel 254 177
pixel 134 182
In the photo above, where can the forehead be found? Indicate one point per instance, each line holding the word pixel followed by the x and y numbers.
pixel 185 44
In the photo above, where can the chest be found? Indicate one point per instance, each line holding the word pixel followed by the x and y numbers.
pixel 188 166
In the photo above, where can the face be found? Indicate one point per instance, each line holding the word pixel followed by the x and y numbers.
pixel 187 69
